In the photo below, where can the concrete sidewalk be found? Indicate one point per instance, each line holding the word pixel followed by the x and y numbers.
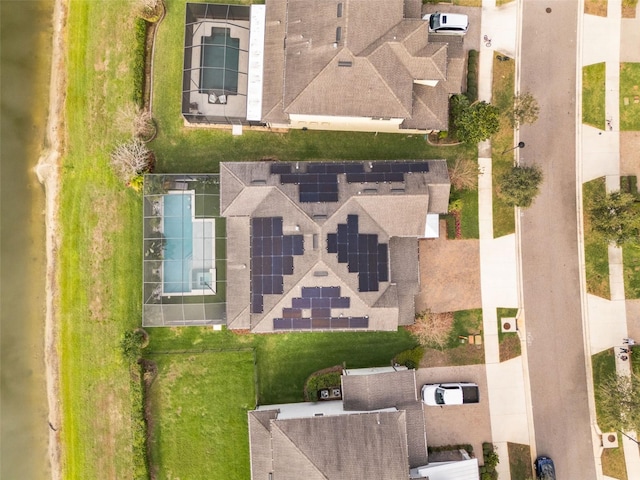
pixel 603 40
pixel 507 382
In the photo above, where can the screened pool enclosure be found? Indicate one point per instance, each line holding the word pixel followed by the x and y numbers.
pixel 184 251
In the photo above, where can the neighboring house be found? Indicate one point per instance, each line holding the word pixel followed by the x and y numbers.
pixel 367 65
pixel 326 246
pixel 376 431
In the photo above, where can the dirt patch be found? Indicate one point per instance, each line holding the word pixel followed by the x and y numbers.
pixel 633 319
pixel 449 275
pixel 629 153
pixel 510 347
pixel 596 7
pixel 463 355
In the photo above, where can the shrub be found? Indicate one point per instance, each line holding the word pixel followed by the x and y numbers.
pixel 432 329
pixel 410 358
pixel 132 344
pixel 138 61
pixel 464 174
pixel 616 217
pixel 474 122
pixel 472 76
pixel 322 379
pixel 131 159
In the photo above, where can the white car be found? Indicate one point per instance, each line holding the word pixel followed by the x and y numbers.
pixel 447 23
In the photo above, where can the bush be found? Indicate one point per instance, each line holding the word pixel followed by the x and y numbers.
pixel 138 61
pixel 131 159
pixel 491 460
pixel 132 344
pixel 410 358
pixel 472 76
pixel 323 379
pixel 432 329
pixel 473 122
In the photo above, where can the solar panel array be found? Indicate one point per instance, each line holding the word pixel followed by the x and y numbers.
pixel 271 258
pixel 320 301
pixel 362 253
pixel 319 181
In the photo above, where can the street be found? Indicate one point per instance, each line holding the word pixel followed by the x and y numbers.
pixel 549 242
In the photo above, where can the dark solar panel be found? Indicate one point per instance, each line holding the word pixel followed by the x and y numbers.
pixel 301 324
pixel 282 324
pixel 337 322
pixel 311 292
pixel 332 243
pixel 291 313
pixel 340 302
pixel 359 322
pixel 320 323
pixel 330 291
pixel 356 177
pixel 320 312
pixel 394 177
pixel 321 302
pixel 301 303
pixel 352 223
pixel 277 168
pixel 271 258
pixel 353 167
pixel 289 178
pixel 381 167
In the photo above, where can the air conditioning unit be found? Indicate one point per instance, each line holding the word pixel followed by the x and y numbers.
pixel 508 324
pixel 336 392
pixel 610 440
pixel 324 393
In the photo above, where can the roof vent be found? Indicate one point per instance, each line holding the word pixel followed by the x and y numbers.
pixel 320 273
pixel 258 182
pixel 339 10
pixel 338 34
pixel 345 63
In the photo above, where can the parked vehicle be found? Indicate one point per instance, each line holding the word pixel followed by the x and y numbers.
pixel 449 23
pixel 450 394
pixel 545 469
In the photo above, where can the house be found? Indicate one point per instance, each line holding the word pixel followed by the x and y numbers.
pixel 376 431
pixel 366 65
pixel 322 246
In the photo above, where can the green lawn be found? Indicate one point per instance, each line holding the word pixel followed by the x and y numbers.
pixel 199 403
pixel 603 366
pixel 630 89
pixel 593 77
pixel 520 461
pixel 631 264
pixel 504 222
pixel 613 464
pixel 509 341
pixel 99 258
pixel 595 248
pixel 284 361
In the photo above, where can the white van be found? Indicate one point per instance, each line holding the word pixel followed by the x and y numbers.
pixel 447 23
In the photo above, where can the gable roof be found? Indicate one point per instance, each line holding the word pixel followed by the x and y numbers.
pixel 363 63
pixel 341 447
pixel 249 190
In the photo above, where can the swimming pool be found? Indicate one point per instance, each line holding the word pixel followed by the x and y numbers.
pixel 178 232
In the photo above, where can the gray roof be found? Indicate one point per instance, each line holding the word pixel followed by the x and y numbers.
pixel 343 447
pixel 388 46
pixel 393 389
pixel 249 190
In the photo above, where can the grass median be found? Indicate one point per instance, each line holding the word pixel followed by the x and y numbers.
pixel 596 253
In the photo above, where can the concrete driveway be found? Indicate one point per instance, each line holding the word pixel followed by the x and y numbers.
pixel 472 37
pixel 457 424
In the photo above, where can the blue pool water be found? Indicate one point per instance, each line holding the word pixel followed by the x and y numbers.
pixel 178 231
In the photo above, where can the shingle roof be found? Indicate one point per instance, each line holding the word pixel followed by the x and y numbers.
pixel 249 190
pixel 386 52
pixel 343 447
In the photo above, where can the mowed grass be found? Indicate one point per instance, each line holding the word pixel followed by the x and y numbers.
pixel 284 361
pixel 520 461
pixel 199 404
pixel 99 257
pixel 613 462
pixel 603 365
pixel 630 89
pixel 631 265
pixel 504 222
pixel 593 95
pixel 596 253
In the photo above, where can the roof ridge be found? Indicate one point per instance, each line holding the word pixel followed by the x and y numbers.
pixel 275 425
pixel 391 90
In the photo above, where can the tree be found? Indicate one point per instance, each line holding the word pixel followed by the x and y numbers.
pixel 524 110
pixel 464 174
pixel 619 402
pixel 520 185
pixel 131 159
pixel 617 218
pixel 474 122
pixel 136 121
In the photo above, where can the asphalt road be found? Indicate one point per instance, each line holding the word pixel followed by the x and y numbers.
pixel 551 280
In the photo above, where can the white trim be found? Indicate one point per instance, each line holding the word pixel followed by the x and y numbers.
pixel 255 78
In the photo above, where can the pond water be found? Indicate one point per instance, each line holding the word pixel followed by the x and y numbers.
pixel 25 45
